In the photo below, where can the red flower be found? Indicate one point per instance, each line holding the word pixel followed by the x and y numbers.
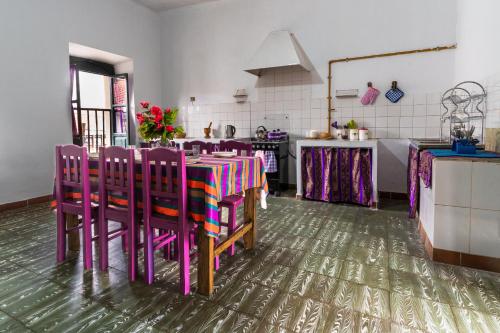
pixel 155 110
pixel 144 104
pixel 140 118
pixel 167 110
pixel 159 126
pixel 158 117
pixel 170 128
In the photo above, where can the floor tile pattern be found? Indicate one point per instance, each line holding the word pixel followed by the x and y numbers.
pixel 316 268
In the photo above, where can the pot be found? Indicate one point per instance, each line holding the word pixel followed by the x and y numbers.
pixel 261 133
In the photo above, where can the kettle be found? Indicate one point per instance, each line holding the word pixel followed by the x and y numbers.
pixel 261 133
pixel 230 131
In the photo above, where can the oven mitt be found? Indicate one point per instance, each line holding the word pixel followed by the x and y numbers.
pixel 394 94
pixel 370 96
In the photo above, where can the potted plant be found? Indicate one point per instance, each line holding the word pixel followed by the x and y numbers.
pixel 156 124
pixel 353 130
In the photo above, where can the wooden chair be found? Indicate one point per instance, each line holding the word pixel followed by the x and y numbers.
pixel 117 177
pixel 73 190
pixel 242 148
pixel 232 202
pixel 163 162
pixel 188 145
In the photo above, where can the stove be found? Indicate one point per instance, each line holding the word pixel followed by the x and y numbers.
pixel 277 181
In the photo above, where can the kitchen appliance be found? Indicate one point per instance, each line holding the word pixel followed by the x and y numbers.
pixel 279 50
pixel 277 181
pixel 276 135
pixel 261 133
pixel 230 131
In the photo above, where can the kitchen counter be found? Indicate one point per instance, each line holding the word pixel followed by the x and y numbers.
pixel 370 144
pixel 459 215
pixel 422 144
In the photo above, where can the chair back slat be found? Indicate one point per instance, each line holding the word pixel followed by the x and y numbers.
pixel 188 145
pixel 72 171
pixel 121 173
pixel 170 164
pixel 115 165
pixel 242 148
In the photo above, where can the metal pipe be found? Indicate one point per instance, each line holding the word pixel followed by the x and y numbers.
pixel 381 55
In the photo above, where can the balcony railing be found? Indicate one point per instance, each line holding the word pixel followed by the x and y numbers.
pixel 95 127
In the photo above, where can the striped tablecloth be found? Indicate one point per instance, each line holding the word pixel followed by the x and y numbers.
pixel 208 182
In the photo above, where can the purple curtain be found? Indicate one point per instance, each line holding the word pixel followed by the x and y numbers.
pixel 425 168
pixel 412 181
pixel 74 124
pixel 337 174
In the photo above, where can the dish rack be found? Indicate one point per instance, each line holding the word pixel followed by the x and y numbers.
pixel 465 106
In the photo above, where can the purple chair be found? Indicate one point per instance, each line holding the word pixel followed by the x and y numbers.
pixel 188 145
pixel 73 181
pixel 232 202
pixel 117 176
pixel 242 148
pixel 161 161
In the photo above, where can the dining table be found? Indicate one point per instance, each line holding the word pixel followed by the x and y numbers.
pixel 209 180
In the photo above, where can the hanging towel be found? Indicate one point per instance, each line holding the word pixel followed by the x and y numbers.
pixel 370 96
pixel 394 94
pixel 260 153
pixel 270 162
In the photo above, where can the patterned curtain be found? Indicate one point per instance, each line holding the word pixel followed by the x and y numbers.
pixel 337 174
pixel 413 182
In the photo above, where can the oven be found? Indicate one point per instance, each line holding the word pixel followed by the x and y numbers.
pixel 277 181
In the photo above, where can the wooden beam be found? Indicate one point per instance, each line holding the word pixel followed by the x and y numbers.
pixel 243 230
pixel 73 236
pixel 205 263
pixel 250 218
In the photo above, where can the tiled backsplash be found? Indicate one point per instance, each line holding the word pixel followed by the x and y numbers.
pixel 285 100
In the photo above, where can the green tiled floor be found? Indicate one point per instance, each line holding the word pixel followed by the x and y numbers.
pixel 316 268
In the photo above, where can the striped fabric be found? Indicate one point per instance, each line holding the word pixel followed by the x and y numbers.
pixel 208 182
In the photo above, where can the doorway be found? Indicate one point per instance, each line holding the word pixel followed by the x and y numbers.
pixel 100 104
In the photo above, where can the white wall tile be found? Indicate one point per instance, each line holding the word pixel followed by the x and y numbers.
pixel 405 133
pixel 486 186
pixel 419 110
pixel 432 121
pixel 393 133
pixel 406 122
pixel 381 122
pixel 451 228
pixel 393 122
pixel 418 132
pixel 451 182
pixel 419 122
pixel 485 233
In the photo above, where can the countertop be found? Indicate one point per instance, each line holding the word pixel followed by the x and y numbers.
pixel 211 140
pixel 371 143
pixel 422 144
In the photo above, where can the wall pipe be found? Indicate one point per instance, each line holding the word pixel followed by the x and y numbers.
pixel 381 55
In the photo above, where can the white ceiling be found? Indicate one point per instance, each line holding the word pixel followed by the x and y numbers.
pixel 169 4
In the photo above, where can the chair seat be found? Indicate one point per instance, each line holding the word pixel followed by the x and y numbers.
pixel 232 200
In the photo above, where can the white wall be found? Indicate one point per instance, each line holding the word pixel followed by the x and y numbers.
pixel 477 57
pixel 206 47
pixel 34 81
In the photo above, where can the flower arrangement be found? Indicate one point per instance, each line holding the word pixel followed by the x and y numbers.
pixel 155 123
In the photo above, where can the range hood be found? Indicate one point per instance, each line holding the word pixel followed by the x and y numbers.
pixel 279 50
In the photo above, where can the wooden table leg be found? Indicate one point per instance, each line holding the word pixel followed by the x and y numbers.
pixel 74 236
pixel 250 237
pixel 205 263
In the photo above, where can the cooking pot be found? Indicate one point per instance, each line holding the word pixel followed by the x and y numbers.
pixel 261 133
